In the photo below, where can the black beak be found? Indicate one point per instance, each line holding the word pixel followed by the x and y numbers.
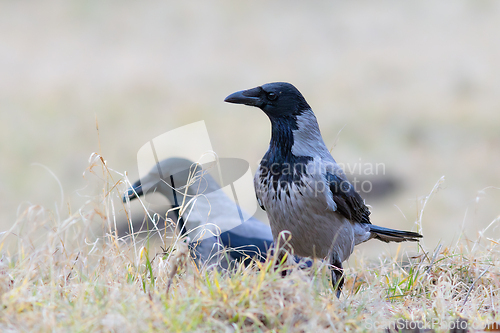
pixel 131 192
pixel 251 97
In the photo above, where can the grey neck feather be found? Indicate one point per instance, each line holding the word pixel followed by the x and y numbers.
pixel 307 137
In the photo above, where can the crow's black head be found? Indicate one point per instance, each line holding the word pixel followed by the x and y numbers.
pixel 134 192
pixel 277 99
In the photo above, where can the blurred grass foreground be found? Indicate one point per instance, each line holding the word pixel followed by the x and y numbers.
pixel 62 274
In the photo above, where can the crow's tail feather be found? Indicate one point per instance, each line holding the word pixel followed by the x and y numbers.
pixel 391 235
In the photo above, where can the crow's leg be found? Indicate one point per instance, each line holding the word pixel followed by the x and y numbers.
pixel 279 259
pixel 337 273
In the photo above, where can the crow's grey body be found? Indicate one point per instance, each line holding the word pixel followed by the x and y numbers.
pixel 307 209
pixel 301 187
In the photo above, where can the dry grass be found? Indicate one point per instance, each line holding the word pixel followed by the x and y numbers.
pixel 62 275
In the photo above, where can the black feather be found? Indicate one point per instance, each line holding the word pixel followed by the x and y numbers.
pixel 279 164
pixel 390 235
pixel 349 202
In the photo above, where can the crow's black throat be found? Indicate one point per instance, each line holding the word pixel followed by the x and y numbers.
pixel 279 162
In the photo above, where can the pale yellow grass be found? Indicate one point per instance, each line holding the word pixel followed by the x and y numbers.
pixel 63 276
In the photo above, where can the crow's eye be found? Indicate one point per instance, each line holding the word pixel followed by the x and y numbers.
pixel 271 96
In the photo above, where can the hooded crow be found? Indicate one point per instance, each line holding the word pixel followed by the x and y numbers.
pixel 250 239
pixel 301 187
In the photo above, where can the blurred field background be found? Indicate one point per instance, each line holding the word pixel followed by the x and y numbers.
pixel 413 85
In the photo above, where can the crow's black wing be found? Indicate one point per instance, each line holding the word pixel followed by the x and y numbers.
pixel 349 202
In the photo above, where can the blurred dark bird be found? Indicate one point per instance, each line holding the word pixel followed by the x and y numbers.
pixel 376 187
pixel 171 177
pixel 301 187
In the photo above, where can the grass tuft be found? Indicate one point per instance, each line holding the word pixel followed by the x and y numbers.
pixel 76 274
